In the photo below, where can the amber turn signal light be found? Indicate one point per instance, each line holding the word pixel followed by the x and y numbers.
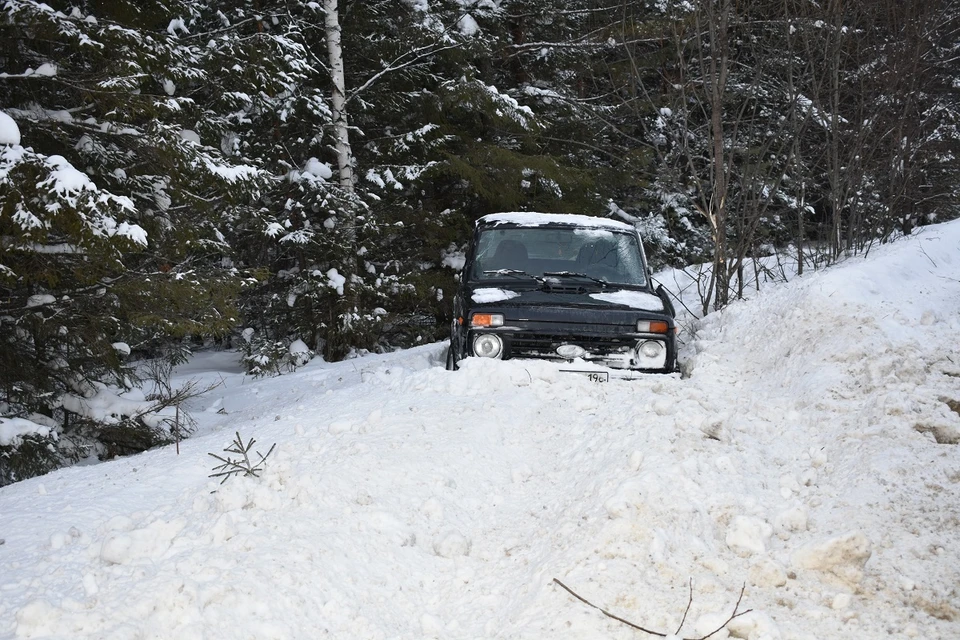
pixel 652 326
pixel 486 320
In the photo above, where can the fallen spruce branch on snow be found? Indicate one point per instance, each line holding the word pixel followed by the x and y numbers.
pixel 736 614
pixel 230 467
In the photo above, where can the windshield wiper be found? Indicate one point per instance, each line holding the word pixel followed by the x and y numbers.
pixel 516 273
pixel 574 274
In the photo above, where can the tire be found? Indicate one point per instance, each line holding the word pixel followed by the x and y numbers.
pixel 451 361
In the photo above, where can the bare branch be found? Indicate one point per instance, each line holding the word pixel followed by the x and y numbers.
pixel 733 615
pixel 407 59
pixel 607 613
pixel 687 611
pixel 736 613
pixel 419 55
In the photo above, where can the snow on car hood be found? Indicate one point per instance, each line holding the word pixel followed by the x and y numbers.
pixel 640 300
pixel 487 295
pixel 633 299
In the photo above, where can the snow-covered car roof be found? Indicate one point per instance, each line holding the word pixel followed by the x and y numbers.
pixel 533 219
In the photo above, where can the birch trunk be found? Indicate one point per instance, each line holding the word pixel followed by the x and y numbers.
pixel 341 337
pixel 341 133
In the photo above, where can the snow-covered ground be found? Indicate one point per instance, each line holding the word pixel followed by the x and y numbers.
pixel 810 456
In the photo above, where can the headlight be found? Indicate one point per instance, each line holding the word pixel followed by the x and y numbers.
pixel 487 345
pixel 650 349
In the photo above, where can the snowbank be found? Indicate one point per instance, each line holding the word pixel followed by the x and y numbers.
pixel 804 457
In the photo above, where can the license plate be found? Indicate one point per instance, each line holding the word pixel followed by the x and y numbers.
pixel 592 376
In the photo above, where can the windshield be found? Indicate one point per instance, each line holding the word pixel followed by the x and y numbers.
pixel 556 252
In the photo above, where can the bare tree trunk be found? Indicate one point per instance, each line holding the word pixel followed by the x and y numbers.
pixel 792 83
pixel 717 79
pixel 801 235
pixel 836 203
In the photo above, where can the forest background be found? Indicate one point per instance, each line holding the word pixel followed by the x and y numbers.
pixel 295 178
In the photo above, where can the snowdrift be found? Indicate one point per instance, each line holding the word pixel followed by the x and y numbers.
pixel 810 456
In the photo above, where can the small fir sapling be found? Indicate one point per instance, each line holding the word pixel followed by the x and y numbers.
pixel 243 465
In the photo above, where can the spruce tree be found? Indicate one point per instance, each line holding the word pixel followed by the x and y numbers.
pixel 110 239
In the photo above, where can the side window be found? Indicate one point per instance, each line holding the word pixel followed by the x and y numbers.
pixel 485 249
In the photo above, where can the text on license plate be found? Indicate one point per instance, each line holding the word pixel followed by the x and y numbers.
pixel 592 376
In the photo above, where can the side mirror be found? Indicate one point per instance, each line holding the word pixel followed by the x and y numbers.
pixel 665 298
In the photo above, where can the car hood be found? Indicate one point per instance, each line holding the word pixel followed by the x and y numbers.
pixel 569 296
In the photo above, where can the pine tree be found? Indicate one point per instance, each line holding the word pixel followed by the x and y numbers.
pixel 110 204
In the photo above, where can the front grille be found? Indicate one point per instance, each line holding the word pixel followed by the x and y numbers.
pixel 545 346
pixel 554 287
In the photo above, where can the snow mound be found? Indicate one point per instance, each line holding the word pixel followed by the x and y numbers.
pixel 406 501
pixel 9 131
pixel 843 556
pixel 749 536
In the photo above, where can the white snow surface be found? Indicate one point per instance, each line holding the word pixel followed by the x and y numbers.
pixel 453 259
pixel 632 299
pixel 298 346
pixel 806 456
pixel 531 219
pixel 318 169
pixel 467 25
pixel 12 430
pixel 486 295
pixel 66 178
pixel 336 281
pixel 9 131
pixel 110 405
pixel 39 300
pixel 122 348
pixel 189 135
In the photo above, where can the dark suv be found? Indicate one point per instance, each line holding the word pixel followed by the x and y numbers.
pixel 561 287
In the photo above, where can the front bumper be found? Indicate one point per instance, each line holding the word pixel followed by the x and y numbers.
pixel 616 350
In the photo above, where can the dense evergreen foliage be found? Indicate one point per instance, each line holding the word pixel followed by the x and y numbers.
pixel 169 168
